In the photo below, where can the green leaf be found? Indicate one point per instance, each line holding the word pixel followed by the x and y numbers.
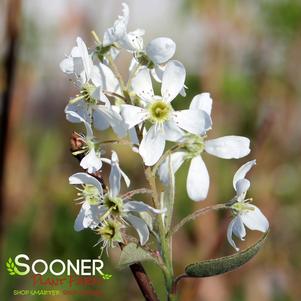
pixel 10 260
pixel 132 253
pixel 224 264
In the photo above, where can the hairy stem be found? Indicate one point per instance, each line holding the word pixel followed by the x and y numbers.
pixel 194 215
pixel 136 191
pixel 165 240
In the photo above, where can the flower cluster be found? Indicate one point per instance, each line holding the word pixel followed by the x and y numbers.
pixel 148 120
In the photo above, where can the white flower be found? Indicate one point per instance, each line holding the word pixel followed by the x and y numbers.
pixel 227 147
pixel 90 196
pixel 157 52
pixel 93 80
pixel 91 161
pixel 155 56
pixel 166 124
pixel 122 209
pixel 79 63
pixel 246 214
pixel 118 36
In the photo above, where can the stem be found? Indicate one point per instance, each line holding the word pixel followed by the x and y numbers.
pixel 165 240
pixel 133 73
pixel 143 282
pixel 194 215
pixel 116 72
pixel 116 95
pixel 177 280
pixel 165 156
pixel 136 191
pixel 113 141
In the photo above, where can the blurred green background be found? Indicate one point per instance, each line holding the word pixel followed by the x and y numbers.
pixel 246 54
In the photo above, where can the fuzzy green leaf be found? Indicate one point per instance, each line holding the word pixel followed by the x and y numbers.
pixel 224 264
pixel 132 253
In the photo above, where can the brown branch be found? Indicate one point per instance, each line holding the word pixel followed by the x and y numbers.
pixel 10 62
pixel 137 269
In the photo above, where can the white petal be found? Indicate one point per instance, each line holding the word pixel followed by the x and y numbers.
pixel 157 73
pixel 173 80
pixel 239 228
pixel 141 207
pixel 172 131
pixel 98 94
pixel 254 219
pixel 241 188
pixel 87 63
pixel 160 50
pixel 114 119
pixel 115 175
pixel 76 117
pixel 228 147
pixel 91 162
pixel 88 217
pixel 133 115
pixel 79 221
pixel 242 171
pixel 142 85
pixel 100 120
pixel 106 79
pixel 229 234
pixel 133 41
pixel 83 178
pixel 80 108
pixel 140 226
pixel 193 121
pixel 203 102
pixel 152 146
pixel 197 180
pixel 177 160
pixel 118 30
pixel 67 65
pixel 134 138
pixel 125 178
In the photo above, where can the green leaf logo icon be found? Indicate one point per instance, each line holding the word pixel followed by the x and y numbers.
pixel 106 276
pixel 10 266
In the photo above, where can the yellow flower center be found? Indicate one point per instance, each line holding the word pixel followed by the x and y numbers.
pixel 159 111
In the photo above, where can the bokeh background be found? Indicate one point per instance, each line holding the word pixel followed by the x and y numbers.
pixel 245 53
